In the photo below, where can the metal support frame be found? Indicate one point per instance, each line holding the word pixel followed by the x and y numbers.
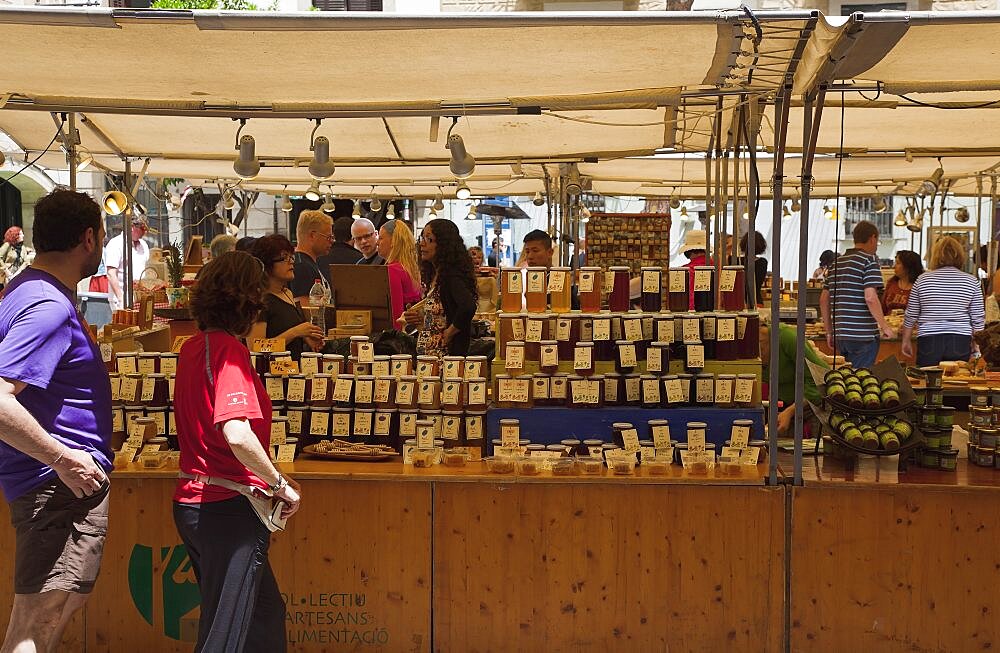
pixel 71 153
pixel 127 299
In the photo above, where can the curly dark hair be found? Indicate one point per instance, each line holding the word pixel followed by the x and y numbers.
pixel 269 250
pixel 911 263
pixel 62 218
pixel 451 257
pixel 229 293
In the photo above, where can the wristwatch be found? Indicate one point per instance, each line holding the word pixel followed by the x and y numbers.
pixel 278 485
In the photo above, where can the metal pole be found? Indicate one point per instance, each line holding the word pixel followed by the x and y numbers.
pixel 992 256
pixel 71 152
pixel 127 238
pixel 979 224
pixel 781 107
pixel 753 196
pixel 713 230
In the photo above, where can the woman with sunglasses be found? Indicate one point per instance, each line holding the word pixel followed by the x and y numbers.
pixel 282 317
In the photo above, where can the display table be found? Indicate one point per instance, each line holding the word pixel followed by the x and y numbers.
pixel 384 557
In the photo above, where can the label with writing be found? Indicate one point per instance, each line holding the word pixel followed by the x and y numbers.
pixel 383 424
pixel 341 425
pixel 654 359
pixel 129 451
pixel 136 432
pixel 549 356
pixel 739 437
pixel 286 453
pixel 609 282
pixel 400 368
pixel 557 280
pixel 426 393
pixel 473 369
pixel 171 424
pixel 741 327
pixel 342 389
pixel 541 388
pixel 510 435
pixel 170 387
pixel 696 440
pixel 168 365
pixel 517 329
pixel 116 388
pixel 451 368
pixel 477 392
pixel 117 420
pixel 451 392
pixel 536 281
pixel 744 391
pixel 148 387
pixel 702 280
pixel 633 330
pixel 563 329
pixel 267 345
pixel 297 390
pixel 363 391
pixel 630 438
pixel 633 389
pixel 151 448
pixel 514 282
pixel 678 280
pixel 451 427
pixel 366 353
pixel 126 365
pixel 626 354
pixel 284 366
pixel 557 389
pixel 516 391
pixel 320 388
pixel 661 436
pixel 107 351
pixel 583 358
pixel 474 427
pixel 407 425
pixel 704 391
pixel 727 282
pixel 404 392
pixel 534 331
pixel 308 365
pixel 424 368
pixel 160 419
pixel 586 331
pixel 295 422
pixel 425 436
pixel 732 452
pixel 675 391
pixel 723 390
pixel 708 328
pixel 319 423
pixel 692 329
pixel 727 330
pixel 587 281
pixel 750 456
pixel 651 281
pixel 331 367
pixel 647 454
pixel 147 365
pixel 362 423
pixel 665 331
pixel 602 329
pixel 611 391
pixel 585 391
pixel 380 368
pixel 278 434
pixel 514 357
pixel 650 391
pixel 695 356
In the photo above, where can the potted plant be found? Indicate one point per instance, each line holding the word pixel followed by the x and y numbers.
pixel 177 296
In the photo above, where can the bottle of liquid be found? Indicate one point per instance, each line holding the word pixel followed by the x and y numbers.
pixel 317 301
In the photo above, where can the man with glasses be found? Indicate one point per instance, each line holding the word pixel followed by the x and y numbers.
pixel 114 257
pixel 366 241
pixel 314 238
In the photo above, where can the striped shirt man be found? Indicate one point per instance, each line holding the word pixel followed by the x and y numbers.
pixel 846 282
pixel 945 301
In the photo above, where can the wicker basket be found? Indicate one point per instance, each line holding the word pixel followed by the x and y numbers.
pixel 150 285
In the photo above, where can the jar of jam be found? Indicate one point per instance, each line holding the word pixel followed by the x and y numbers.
pixel 340 423
pixel 650 386
pixel 708 324
pixel 155 390
pixel 512 392
pixel 725 386
pixel 541 386
pixel 694 357
pixel 364 422
pixel 295 415
pixel 453 366
pixel 319 425
pixel 407 424
pixel 357 342
pixel 980 396
pixel 748 335
pixel 452 426
pixel 168 363
pixel 602 337
pixel 333 364
pixel 558 389
pixel 298 388
pixel 475 428
pixel 625 356
pixel 536 329
pixel 364 391
pixel 475 367
pixel 452 393
pixel 704 288
pixel 358 368
pixel 511 290
pixel 476 394
pixel 148 363
pixel 321 390
pixel 704 389
pixel 535 290
pixel 170 388
pixel 687 387
pixel 732 288
pixel 131 389
pixel 567 333
pixel 126 362
pixel 274 384
pixel 310 363
pixel 617 429
pixel 658 357
pixel 618 300
pixel 652 288
pixel 663 328
pixel 585 331
pixel 572 447
pixel 614 390
pixel 589 289
pixel 586 392
pixel 385 392
pixel 583 358
pixel 511 328
pixel 743 394
pixel 159 416
pixel 382 366
pixel 673 391
pixel 384 429
pixel 560 288
pixel 548 356
pixel 726 345
pixel 677 295
pixel 428 366
pixel 429 393
pixel 981 416
pixel 116 388
pixel 633 390
pixel 690 328
pixel 659 433
pixel 435 417
pixel 514 357
pixel 343 391
pixel 402 365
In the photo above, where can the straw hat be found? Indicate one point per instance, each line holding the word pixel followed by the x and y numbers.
pixel 694 240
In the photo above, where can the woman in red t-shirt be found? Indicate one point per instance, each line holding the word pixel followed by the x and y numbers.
pixel 223 417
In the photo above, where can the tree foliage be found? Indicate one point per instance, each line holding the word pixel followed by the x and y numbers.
pixel 232 5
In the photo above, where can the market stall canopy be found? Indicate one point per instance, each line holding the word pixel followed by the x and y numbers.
pixel 534 87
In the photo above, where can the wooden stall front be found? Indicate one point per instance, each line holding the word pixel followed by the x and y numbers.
pixel 384 557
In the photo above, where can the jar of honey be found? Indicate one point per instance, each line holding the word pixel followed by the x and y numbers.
pixel 677 295
pixel 732 288
pixel 452 427
pixel 476 394
pixel 321 390
pixel 295 415
pixel 364 391
pixel 429 393
pixel 673 391
pixel 310 363
pixel 602 337
pixel 428 366
pixel 453 366
pixel 382 366
pixel 583 359
pixel 652 288
pixel 687 387
pixel 536 329
pixel 511 327
pixel 626 358
pixel 589 289
pixel 690 328
pixel 475 367
pixel 618 300
pixel 743 394
pixel 402 365
pixel 704 288
pixel 148 363
pixel 340 423
pixel 535 290
pixel 586 392
pixel 514 357
pixel 364 422
pixel 558 389
pixel 475 429
pixel 560 287
pixel 333 364
pixel 512 392
pixel 357 342
pixel 548 356
pixel 694 357
pixel 298 388
pixel 274 384
pixel 708 324
pixel 126 362
pixel 343 391
pixel 385 392
pixel 511 290
pixel 453 393
pixel 407 424
pixel 168 363
pixel 159 394
pixel 663 328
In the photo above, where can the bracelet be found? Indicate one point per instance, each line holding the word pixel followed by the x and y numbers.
pixel 279 484
pixel 58 458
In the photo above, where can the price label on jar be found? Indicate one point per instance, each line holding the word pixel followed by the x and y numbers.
pixel 739 437
pixel 383 424
pixel 585 391
pixel 474 428
pixel 477 393
pixel 295 422
pixel 708 328
pixel 723 391
pixel 147 365
pixel 171 424
pixel 319 423
pixel 286 453
pixel 514 282
pixel 549 356
pixel 383 390
pixel 404 393
pixel 366 353
pixel 727 282
pixel 692 330
pixel 630 438
pixel 275 388
pixel 609 282
pixel 451 391
pixel 536 281
pixel 308 364
pixel 696 440
pixel 170 388
pixel 399 368
pixel 425 395
pixel 363 392
pixel 331 367
pixel 342 424
pixel 160 418
pixel 675 391
pixel 583 358
pixel 540 388
pixel 633 389
pixel 380 368
pixel 744 391
pixel 557 281
pixel 633 330
pixel 514 357
pixel 702 280
pixel 278 434
pixel 362 424
pixel 626 353
pixel 750 456
pixel 534 331
pixel 284 366
pixel 116 388
pixel 661 436
pixel 602 329
pixel 424 368
pixel 126 365
pixel 425 435
pixel 695 356
pixel 654 359
pixel 473 369
pixel 587 281
pixel 510 435
pixel 407 425
pixel 727 330
pixel 647 454
pixel 297 390
pixel 650 281
pixel 741 327
pixel 678 280
pixel 267 345
pixel 514 391
pixel 342 389
pixel 557 388
pixel 704 391
pixel 610 391
pixel 107 352
pixel 665 331
pixel 148 387
pixel 517 329
pixel 118 420
pixel 650 391
pixel 320 389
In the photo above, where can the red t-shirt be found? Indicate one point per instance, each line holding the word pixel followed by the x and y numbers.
pixel 199 414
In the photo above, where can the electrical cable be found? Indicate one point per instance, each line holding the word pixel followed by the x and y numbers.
pixel 984 105
pixel 758 30
pixel 33 161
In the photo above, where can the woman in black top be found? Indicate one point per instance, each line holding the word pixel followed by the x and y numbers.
pixel 282 317
pixel 760 263
pixel 450 292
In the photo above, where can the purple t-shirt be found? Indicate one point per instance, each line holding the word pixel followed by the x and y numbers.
pixel 44 344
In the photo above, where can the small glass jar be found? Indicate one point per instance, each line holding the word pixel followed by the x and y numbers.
pixel 589 287
pixel 688 328
pixel 980 396
pixel 535 290
pixel 435 417
pixel 148 363
pixel 652 288
pixel 475 428
pixel 933 376
pixel 476 395
pixel 428 366
pixel 725 386
pixel 548 356
pixel 358 367
pixel 618 300
pixel 694 357
pixel 131 389
pixel 364 392
pixel 583 359
pixel 687 387
pixel 536 329
pixel 295 415
pixel 274 384
pixel 510 432
pixel 298 389
pixel 704 389
pixel 673 391
pixel 567 333
pixel 626 358
pixel 677 294
pixel 650 388
pixel 382 366
pixel 408 424
pixel 168 363
pixel 617 428
pixel 321 390
pixel 310 363
pixel 362 424
pixel 572 446
pixel 452 426
pixel 159 416
pixel 981 416
pixel 708 325
pixel 560 288
pixel 475 367
pixel 512 392
pixel 603 337
pixel 406 392
pixel 726 345
pixel 514 358
pixel 658 357
pixel 161 390
pixel 452 367
pixel 320 426
pixel 743 393
pixel 704 288
pixel 402 365
pixel 429 393
pixel 452 394
pixel 541 386
pixel 732 288
pixel 614 390
pixel 748 335
pixel 343 391
pixel 385 392
pixel 126 362
pixel 384 428
pixel 586 392
pixel 558 389
pixel 356 345
pixel 333 364
pixel 511 290
pixel 659 433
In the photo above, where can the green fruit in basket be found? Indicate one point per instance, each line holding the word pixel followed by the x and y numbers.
pixel 872 401
pixel 833 375
pixel 890 398
pixel 889 384
pixel 862 373
pixel 902 429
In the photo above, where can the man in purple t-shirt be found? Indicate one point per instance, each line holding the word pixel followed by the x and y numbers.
pixel 55 424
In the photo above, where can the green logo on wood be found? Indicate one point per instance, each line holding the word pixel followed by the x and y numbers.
pixel 166 598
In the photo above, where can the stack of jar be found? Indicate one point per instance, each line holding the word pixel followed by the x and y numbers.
pixel 936 421
pixel 984 427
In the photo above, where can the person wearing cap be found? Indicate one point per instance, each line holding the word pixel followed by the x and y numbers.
pixel 695 249
pixel 114 257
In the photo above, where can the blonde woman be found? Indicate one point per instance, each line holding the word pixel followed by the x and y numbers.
pixel 397 246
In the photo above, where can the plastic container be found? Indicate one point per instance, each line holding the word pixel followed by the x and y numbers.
pixel 511 290
pixel 591 466
pixel 652 288
pixel 732 288
pixel 500 465
pixel 535 290
pixel 565 467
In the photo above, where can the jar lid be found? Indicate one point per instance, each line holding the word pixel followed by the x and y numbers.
pixel 747 376
pixel 742 422
pixel 658 422
pixel 728 377
pixel 335 357
pixel 697 425
pixel 559 269
pixel 584 344
pixel 619 268
pixel 621 425
pixel 306 354
pixel 732 267
pixel 359 338
pixel 593 442
pixel 510 421
pixel 157 440
pixel 475 359
pixel 569 441
pixel 704 267
pixel 408 377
